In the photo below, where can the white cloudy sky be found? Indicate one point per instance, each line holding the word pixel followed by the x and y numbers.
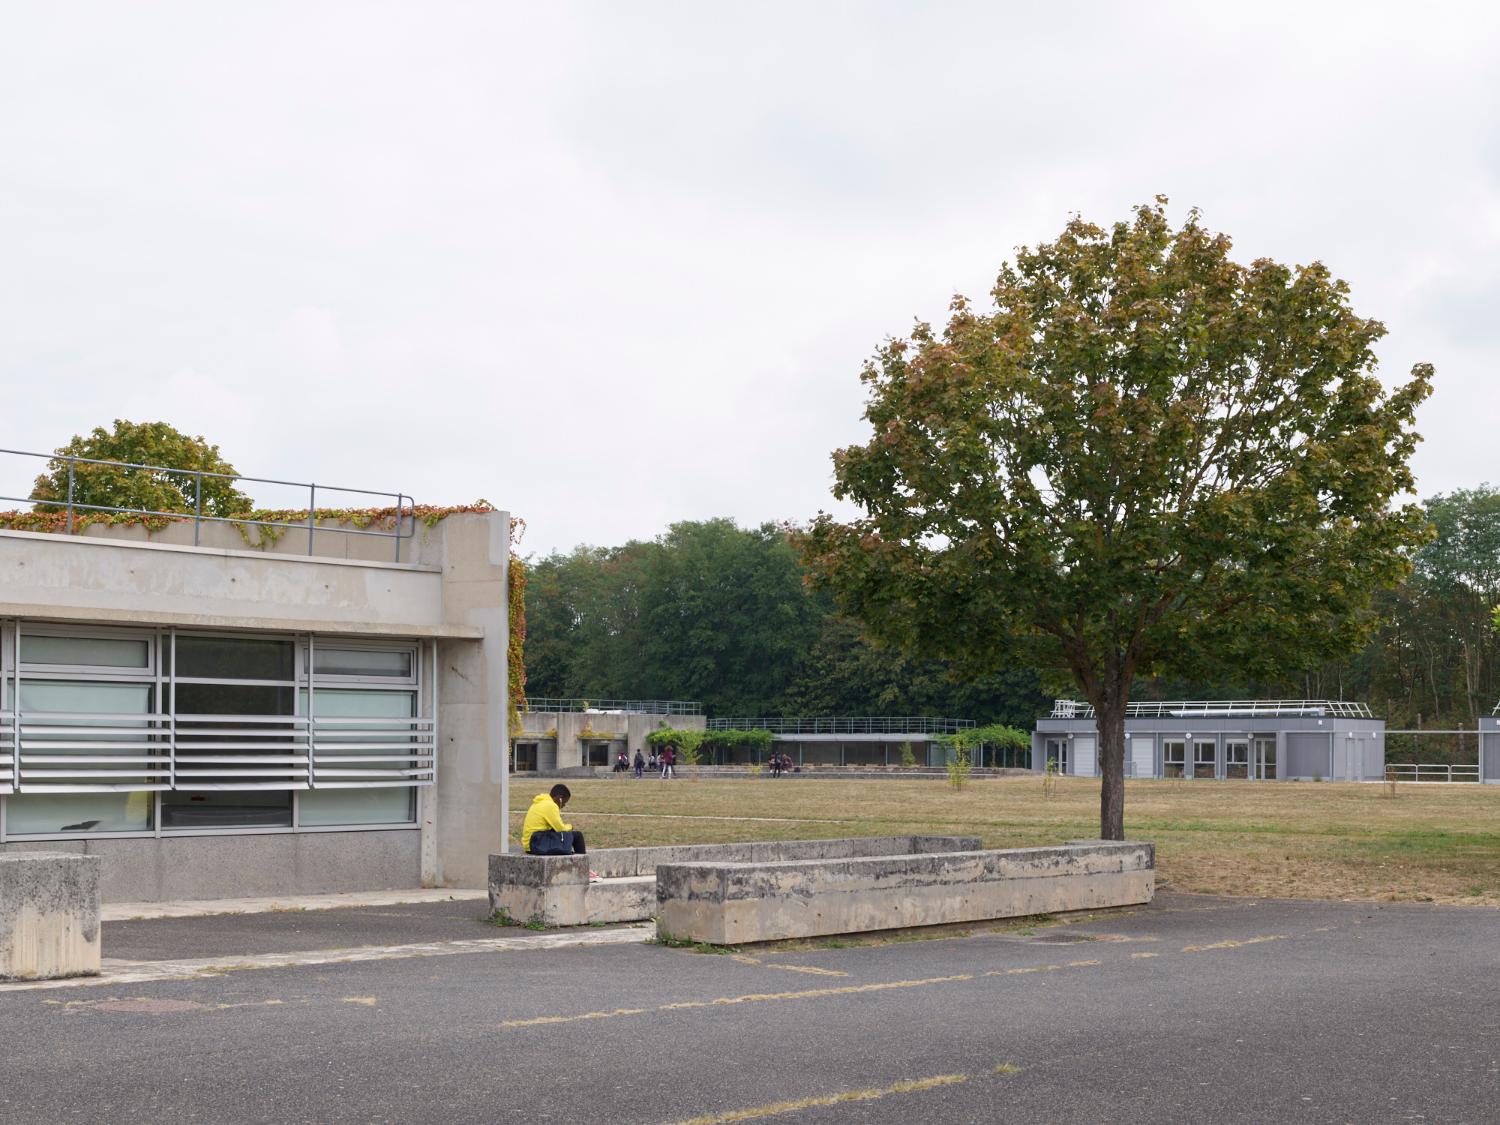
pixel 616 265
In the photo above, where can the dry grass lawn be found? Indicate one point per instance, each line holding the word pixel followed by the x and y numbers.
pixel 1430 843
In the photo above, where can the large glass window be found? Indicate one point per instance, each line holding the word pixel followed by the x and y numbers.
pixel 104 709
pixel 94 742
pixel 187 809
pixel 362 662
pixel 1173 758
pixel 382 738
pixel 234 658
pixel 99 652
pixel 1203 759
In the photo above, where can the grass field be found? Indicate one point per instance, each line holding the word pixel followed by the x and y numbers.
pixel 1430 843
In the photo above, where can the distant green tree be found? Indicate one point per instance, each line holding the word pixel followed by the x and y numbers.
pixel 725 616
pixel 154 490
pixel 845 674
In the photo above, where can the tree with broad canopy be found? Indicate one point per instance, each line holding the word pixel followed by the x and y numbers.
pixel 155 489
pixel 1143 459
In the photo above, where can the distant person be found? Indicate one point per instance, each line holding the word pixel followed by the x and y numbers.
pixel 543 831
pixel 653 763
pixel 669 763
pixel 640 765
pixel 622 763
pixel 775 765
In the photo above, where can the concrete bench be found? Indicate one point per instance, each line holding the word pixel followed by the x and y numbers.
pixel 733 903
pixel 555 890
pixel 49 915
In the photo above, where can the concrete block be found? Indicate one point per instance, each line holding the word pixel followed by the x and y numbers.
pixel 535 888
pixel 556 890
pixel 49 915
pixel 730 903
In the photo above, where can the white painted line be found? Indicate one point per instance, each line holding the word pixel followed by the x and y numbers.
pixel 201 908
pixel 118 972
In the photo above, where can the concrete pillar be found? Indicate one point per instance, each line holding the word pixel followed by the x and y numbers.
pixel 49 915
pixel 468 808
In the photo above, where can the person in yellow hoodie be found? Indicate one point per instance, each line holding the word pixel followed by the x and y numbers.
pixel 543 832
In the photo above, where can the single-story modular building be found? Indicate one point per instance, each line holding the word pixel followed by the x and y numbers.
pixel 1489 746
pixel 1265 740
pixel 326 711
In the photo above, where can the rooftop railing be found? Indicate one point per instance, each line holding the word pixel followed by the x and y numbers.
pixel 635 706
pixel 1222 709
pixel 835 724
pixel 401 505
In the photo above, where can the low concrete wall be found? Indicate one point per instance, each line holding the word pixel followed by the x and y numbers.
pixel 733 903
pixel 555 890
pixel 246 864
pixel 49 916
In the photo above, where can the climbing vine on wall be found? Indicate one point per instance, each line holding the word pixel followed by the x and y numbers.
pixel 516 660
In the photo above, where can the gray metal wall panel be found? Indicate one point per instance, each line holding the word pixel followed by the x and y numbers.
pixel 1308 755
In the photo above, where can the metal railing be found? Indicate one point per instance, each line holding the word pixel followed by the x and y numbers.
pixel 65 752
pixel 1222 709
pixel 403 507
pixel 549 704
pixel 1430 771
pixel 872 724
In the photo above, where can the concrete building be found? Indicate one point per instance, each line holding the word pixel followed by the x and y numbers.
pixel 213 720
pixel 1489 746
pixel 841 740
pixel 1268 740
pixel 582 734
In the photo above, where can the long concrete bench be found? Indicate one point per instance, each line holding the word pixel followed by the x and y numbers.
pixel 556 891
pixel 49 915
pixel 734 903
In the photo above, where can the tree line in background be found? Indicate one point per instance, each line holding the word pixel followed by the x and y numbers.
pixel 721 614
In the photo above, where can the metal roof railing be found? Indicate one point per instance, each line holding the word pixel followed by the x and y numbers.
pixel 839 724
pixel 402 505
pixel 1222 709
pixel 548 704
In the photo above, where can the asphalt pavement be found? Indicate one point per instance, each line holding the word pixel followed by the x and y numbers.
pixel 1195 1009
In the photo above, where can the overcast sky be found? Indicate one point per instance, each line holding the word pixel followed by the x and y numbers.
pixel 616 265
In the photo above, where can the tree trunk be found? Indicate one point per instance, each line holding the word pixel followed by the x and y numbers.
pixel 1110 720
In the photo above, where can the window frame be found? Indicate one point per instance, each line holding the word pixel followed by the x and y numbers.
pixel 160 672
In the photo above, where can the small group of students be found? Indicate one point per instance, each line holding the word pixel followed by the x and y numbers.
pixel 666 763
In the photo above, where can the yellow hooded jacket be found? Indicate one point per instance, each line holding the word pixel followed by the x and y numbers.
pixel 543 813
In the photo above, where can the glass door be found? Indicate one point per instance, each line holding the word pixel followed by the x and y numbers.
pixel 1057 755
pixel 1265 757
pixel 1173 758
pixel 1237 758
pixel 1204 758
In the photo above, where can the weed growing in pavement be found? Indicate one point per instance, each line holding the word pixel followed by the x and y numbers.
pixel 502 917
pixel 685 943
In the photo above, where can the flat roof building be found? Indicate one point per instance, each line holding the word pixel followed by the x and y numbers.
pixel 1266 740
pixel 216 719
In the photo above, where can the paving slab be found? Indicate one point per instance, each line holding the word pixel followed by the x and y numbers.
pixel 279 931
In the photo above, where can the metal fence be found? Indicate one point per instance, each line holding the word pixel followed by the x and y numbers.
pixel 1222 709
pixel 877 724
pixel 1430 771
pixel 402 506
pixel 547 704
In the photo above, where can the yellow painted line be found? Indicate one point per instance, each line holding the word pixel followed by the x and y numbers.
pixel 777 1108
pixel 1231 943
pixel 748 998
pixel 746 959
pixel 1143 956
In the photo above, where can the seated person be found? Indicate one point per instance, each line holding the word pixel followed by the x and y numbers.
pixel 543 832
